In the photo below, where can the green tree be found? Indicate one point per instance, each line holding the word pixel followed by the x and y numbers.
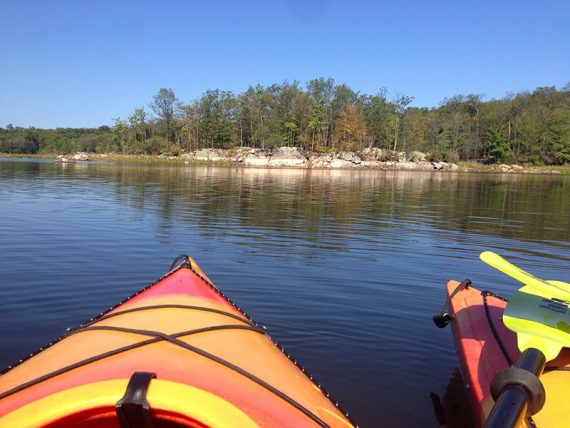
pixel 137 122
pixel 557 135
pixel 496 146
pixel 400 104
pixel 165 105
pixel 320 93
pixel 121 135
pixel 350 130
pixel 281 123
pixel 377 115
pixel 190 120
pixel 217 111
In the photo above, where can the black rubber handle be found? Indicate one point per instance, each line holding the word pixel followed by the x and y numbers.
pixel 518 391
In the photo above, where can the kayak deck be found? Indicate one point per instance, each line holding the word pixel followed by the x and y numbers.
pixel 213 365
pixel 485 346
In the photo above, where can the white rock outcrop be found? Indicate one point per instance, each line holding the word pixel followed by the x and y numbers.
pixel 372 164
pixel 212 155
pixel 320 161
pixel 80 156
pixel 287 157
pixel 445 166
pixel 348 157
pixel 374 154
pixel 293 157
pixel 341 163
pixel 256 160
pixel 417 157
pixel 286 152
pixel 508 168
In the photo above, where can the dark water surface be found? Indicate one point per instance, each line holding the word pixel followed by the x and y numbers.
pixel 345 268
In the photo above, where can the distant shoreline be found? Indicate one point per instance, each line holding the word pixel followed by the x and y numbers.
pixel 230 161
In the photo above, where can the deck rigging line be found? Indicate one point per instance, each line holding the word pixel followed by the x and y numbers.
pixel 158 336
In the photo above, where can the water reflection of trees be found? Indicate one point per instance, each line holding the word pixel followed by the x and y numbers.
pixel 312 202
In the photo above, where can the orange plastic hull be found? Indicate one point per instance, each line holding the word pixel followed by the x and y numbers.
pixel 248 379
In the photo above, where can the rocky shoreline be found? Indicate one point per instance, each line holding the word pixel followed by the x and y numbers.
pixel 291 157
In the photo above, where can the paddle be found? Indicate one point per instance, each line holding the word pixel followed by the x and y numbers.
pixel 539 314
pixel 496 261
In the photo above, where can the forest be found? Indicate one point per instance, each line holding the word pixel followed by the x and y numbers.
pixel 322 116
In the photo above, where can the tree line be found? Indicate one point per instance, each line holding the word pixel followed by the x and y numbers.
pixel 324 116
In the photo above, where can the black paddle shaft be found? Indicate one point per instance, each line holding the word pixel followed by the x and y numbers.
pixel 518 391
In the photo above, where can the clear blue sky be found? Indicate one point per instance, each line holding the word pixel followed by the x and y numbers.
pixel 82 63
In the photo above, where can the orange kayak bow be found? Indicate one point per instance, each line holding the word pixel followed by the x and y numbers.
pixel 176 354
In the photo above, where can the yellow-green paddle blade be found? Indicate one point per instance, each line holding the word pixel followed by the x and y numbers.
pixel 540 322
pixel 496 261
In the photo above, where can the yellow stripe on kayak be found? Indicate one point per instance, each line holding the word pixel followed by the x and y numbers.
pixel 195 403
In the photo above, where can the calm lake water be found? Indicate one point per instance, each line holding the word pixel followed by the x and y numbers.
pixel 345 268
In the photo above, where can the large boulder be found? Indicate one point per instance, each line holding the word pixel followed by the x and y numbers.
pixel 417 157
pixel 403 166
pixel 286 152
pixel 438 165
pixel 508 168
pixel 287 162
pixel 210 155
pixel 259 159
pixel 348 157
pixel 63 159
pixel 372 164
pixel 341 163
pixel 287 157
pixel 80 156
pixel 445 166
pixel 415 166
pixel 321 161
pixel 238 154
pixel 374 154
